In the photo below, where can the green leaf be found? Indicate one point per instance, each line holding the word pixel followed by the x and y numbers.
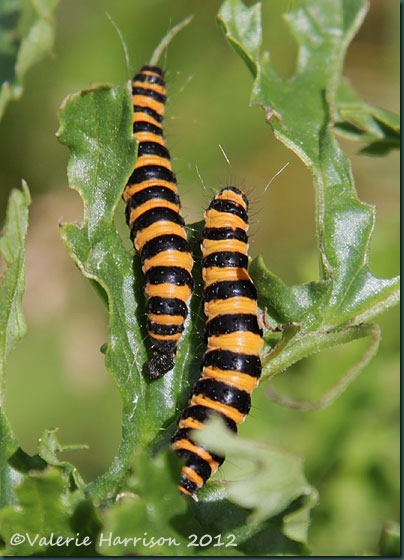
pixel 275 478
pixel 45 507
pixel 238 534
pixel 8 446
pixel 346 294
pixel 96 125
pixel 243 30
pixel 150 508
pixel 12 321
pixel 285 304
pixel 26 37
pixel 12 250
pixel 357 120
pixel 48 448
pixel 147 510
pixel 296 523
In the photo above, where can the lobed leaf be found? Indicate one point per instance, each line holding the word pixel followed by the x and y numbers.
pixel 146 510
pixel 359 121
pixel 48 448
pixel 96 126
pixel 169 524
pixel 300 110
pixel 45 507
pixel 243 30
pixel 172 525
pixel 274 478
pixel 270 537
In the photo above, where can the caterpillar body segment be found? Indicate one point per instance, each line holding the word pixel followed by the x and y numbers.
pixel 231 365
pixel 156 225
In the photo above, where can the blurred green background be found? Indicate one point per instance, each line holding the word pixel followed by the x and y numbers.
pixel 56 377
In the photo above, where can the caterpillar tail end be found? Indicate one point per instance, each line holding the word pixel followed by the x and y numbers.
pixel 187 487
pixel 160 363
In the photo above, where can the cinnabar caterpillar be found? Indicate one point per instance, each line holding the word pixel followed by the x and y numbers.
pixel 157 227
pixel 231 365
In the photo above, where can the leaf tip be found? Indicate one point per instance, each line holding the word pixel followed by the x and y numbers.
pixel 26 192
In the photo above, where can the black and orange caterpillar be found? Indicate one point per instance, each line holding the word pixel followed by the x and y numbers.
pixel 231 365
pixel 157 227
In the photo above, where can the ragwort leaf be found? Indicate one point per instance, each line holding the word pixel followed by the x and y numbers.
pixel 300 110
pixel 45 507
pixel 48 448
pixel 97 125
pixel 147 511
pixel 359 121
pixel 243 30
pixel 273 479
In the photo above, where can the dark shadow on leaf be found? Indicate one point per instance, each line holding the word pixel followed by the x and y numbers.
pixel 191 368
pixel 138 290
pixel 222 517
pixel 23 463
